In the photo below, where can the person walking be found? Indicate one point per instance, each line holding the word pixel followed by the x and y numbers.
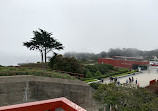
pixel 118 83
pixel 111 79
pixel 115 79
pixel 132 79
pixel 102 80
pixel 149 71
pixel 136 81
pixel 126 81
pixel 129 80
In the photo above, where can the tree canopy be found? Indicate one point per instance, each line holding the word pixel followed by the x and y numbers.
pixel 126 99
pixel 43 42
pixel 58 62
pixel 129 52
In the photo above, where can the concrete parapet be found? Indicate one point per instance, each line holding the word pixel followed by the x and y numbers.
pixel 20 89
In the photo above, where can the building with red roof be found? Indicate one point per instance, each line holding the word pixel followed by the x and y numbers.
pixel 124 62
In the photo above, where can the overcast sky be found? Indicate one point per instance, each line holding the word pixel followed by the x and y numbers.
pixel 80 25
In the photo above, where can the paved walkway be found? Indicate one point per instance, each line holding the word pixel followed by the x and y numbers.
pixel 143 78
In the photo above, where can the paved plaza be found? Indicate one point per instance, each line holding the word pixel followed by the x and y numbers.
pixel 143 78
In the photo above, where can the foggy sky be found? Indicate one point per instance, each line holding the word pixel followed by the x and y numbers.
pixel 80 25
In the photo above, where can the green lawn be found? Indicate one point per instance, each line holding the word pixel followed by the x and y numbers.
pixel 11 71
pixel 125 73
pixel 90 80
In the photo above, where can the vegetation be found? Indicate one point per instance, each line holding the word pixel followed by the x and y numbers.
pixel 95 85
pixel 98 73
pixel 43 42
pixel 110 73
pixel 10 71
pixel 92 80
pixel 98 77
pixel 82 57
pixel 34 65
pixel 125 73
pixel 103 68
pixel 128 52
pixel 58 62
pixel 89 75
pixel 119 98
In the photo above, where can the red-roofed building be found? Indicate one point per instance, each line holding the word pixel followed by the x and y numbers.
pixel 125 62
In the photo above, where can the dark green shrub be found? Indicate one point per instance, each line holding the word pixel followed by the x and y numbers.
pixel 95 85
pixel 65 64
pixel 89 75
pixel 98 73
pixel 103 68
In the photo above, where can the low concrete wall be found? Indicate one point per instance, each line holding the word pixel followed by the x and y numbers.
pixel 19 89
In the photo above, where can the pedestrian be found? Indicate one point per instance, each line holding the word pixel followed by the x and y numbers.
pixel 102 80
pixel 126 81
pixel 110 78
pixel 136 81
pixel 115 79
pixel 118 83
pixel 132 79
pixel 129 80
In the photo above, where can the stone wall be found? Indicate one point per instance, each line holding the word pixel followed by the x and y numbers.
pixel 20 89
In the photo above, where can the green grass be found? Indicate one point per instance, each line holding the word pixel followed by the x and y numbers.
pixel 37 65
pixel 125 73
pixel 11 71
pixel 121 72
pixel 90 80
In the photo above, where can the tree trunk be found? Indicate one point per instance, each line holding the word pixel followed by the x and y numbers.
pixel 45 55
pixel 104 108
pixel 110 108
pixel 45 58
pixel 42 58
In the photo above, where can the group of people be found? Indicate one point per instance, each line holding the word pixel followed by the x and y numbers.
pixel 131 80
pixel 113 79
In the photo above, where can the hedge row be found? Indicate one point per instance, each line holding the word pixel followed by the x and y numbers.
pixel 108 75
pixel 126 73
pixel 35 73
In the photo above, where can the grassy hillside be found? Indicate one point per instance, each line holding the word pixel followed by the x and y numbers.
pixel 11 71
pixel 34 65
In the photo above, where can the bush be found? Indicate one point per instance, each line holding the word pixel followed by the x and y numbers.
pixel 84 71
pixel 98 73
pixel 122 71
pixel 126 73
pixel 95 85
pixel 65 64
pixel 11 71
pixel 89 75
pixel 103 68
pixel 102 76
